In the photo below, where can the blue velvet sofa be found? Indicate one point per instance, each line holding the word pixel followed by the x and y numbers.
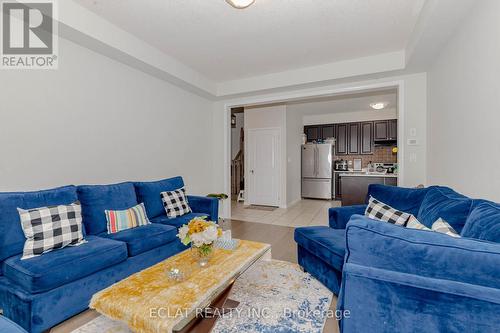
pixel 41 292
pixel 394 279
pixel 8 326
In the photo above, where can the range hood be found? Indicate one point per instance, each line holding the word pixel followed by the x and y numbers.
pixel 386 142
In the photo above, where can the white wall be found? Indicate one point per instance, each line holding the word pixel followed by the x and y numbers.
pixel 235 134
pixel 464 99
pixel 95 120
pixel 294 131
pixel 345 117
pixel 267 117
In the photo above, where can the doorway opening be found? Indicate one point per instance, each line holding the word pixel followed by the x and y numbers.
pixel 364 138
pixel 237 154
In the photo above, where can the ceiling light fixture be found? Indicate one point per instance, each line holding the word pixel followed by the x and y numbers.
pixel 240 4
pixel 378 106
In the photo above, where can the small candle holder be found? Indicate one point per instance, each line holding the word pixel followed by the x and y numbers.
pixel 175 274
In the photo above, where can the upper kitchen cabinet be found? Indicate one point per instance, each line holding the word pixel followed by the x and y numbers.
pixel 393 129
pixel 312 133
pixel 385 130
pixel 366 140
pixel 353 137
pixel 327 131
pixel 341 144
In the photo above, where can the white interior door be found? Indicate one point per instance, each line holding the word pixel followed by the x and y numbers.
pixel 264 156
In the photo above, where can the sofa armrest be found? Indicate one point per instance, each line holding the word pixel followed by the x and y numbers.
pixel 205 205
pixel 425 254
pixel 339 216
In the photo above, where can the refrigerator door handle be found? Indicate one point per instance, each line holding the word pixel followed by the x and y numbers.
pixel 316 161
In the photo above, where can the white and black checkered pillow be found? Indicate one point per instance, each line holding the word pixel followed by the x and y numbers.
pixel 175 203
pixel 52 227
pixel 378 210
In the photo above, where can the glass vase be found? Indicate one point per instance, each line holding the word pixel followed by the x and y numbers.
pixel 203 253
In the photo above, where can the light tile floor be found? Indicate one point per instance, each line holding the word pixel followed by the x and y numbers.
pixel 306 212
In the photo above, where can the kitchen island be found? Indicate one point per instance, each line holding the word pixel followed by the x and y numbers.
pixel 355 185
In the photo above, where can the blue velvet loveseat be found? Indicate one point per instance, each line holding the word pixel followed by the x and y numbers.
pixel 41 292
pixel 393 279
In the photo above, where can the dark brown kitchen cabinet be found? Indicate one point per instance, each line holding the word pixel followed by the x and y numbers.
pixel 353 138
pixel 341 144
pixel 381 130
pixel 393 129
pixel 327 131
pixel 385 130
pixel 366 140
pixel 312 133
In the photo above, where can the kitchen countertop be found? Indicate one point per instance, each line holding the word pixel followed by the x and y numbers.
pixel 364 174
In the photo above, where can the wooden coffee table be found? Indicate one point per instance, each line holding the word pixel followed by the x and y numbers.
pixel 149 301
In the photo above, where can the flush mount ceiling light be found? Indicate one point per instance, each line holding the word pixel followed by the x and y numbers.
pixel 240 4
pixel 378 106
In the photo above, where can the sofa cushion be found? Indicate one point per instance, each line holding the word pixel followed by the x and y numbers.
pixel 443 202
pixel 95 199
pixel 326 243
pixel 484 222
pixel 62 266
pixel 149 193
pixel 178 221
pixel 144 238
pixel 8 326
pixel 11 234
pixel 405 199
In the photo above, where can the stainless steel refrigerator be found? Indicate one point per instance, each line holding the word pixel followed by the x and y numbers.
pixel 317 170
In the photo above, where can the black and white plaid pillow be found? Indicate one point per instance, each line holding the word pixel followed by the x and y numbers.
pixel 52 227
pixel 378 210
pixel 175 203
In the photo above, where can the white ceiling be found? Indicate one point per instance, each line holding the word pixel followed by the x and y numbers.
pixel 223 43
pixel 346 103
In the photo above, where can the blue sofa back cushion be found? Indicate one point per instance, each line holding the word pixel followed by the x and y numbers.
pixel 95 199
pixel 407 200
pixel 149 193
pixel 443 202
pixel 484 222
pixel 11 234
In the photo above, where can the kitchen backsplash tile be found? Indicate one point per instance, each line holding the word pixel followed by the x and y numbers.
pixel 382 154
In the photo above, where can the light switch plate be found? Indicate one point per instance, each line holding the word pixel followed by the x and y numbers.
pixel 412 142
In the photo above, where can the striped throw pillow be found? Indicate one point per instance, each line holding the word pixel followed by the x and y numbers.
pixel 133 217
pixel 413 223
pixel 444 227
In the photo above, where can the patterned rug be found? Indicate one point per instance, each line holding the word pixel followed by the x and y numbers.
pixel 274 296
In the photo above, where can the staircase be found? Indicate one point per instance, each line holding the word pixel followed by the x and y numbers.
pixel 237 169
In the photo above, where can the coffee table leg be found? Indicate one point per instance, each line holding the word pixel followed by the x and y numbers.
pixel 221 305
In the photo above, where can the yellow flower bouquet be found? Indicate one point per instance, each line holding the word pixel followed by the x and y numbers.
pixel 201 234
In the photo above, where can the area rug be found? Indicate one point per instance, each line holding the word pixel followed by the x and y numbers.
pixel 274 296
